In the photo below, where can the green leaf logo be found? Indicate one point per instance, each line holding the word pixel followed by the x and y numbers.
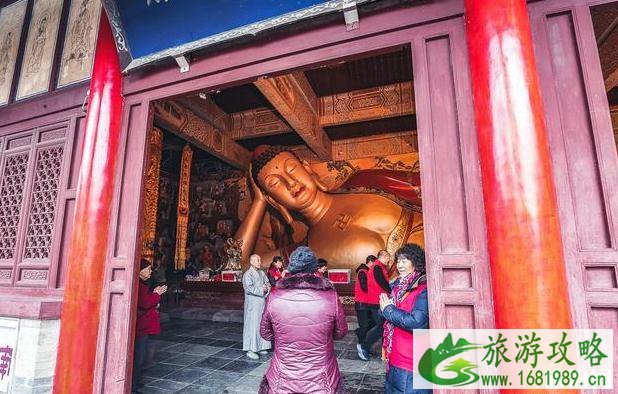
pixel 432 359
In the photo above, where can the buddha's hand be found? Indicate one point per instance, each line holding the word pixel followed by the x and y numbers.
pixel 258 195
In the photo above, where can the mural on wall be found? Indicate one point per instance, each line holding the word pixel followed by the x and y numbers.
pixel 344 210
pixel 214 197
pixel 80 41
pixel 213 214
pixel 11 22
pixel 40 46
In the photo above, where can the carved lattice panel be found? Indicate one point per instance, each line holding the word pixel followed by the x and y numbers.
pixel 11 195
pixel 44 194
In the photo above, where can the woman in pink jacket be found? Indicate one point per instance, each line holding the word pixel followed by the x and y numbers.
pixel 303 317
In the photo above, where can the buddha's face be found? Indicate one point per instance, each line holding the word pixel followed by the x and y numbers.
pixel 287 181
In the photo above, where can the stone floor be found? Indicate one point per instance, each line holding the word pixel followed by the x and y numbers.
pixel 206 357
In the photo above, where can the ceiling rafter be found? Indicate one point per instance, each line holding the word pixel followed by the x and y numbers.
pixel 292 96
pixel 176 118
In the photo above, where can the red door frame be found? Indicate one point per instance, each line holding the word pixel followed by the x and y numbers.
pixel 242 64
pixel 413 26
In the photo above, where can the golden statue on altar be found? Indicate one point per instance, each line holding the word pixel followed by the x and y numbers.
pixel 372 210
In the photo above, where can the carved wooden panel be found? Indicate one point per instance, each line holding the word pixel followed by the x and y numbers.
pixel 151 192
pixel 80 40
pixel 257 123
pixel 191 127
pixel 367 104
pixel 11 21
pixel 11 198
pixel 40 46
pixel 43 202
pixel 293 98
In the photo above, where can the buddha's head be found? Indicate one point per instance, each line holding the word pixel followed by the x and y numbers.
pixel 288 183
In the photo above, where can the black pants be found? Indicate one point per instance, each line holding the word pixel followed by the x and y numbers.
pixel 375 333
pixel 141 344
pixel 364 321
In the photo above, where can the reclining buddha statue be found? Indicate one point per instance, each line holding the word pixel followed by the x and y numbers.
pixel 372 210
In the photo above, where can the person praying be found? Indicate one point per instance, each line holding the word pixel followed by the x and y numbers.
pixel 256 288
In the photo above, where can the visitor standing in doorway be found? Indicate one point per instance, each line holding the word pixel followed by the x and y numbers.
pixel 405 310
pixel 360 299
pixel 275 271
pixel 377 284
pixel 256 288
pixel 303 317
pixel 147 319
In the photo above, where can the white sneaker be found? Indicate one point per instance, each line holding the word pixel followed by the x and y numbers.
pixel 263 352
pixel 253 355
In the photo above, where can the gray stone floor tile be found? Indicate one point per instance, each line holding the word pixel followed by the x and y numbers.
pixel 202 350
pixel 212 363
pixel 183 359
pixel 165 384
pixel 187 375
pixel 230 353
pixel 241 366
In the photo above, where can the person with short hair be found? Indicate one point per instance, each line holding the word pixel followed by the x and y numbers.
pixel 303 316
pixel 275 271
pixel 377 284
pixel 405 310
pixel 322 268
pixel 360 299
pixel 256 287
pixel 147 322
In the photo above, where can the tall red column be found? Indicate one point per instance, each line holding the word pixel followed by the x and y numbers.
pixel 79 324
pixel 524 239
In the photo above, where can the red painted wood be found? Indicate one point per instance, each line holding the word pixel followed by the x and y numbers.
pixel 583 153
pixel 82 296
pixel 453 218
pixel 525 245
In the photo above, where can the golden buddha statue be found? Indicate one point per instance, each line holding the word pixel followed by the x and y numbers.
pixel 343 228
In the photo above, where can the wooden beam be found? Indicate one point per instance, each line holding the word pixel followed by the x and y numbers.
pixel 206 109
pixel 370 146
pixel 367 104
pixel 179 120
pixel 258 122
pixel 612 80
pixel 350 107
pixel 293 98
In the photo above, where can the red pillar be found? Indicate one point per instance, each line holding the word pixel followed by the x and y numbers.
pixel 87 251
pixel 524 239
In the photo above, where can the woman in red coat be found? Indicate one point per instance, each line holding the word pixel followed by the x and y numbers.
pixel 147 319
pixel 275 271
pixel 303 316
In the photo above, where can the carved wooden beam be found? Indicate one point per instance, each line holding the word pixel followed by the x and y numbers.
pixel 371 146
pixel 293 98
pixel 367 104
pixel 208 110
pixel 179 120
pixel 258 122
pixel 350 107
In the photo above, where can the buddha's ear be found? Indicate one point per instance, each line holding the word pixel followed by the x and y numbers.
pixel 315 176
pixel 280 208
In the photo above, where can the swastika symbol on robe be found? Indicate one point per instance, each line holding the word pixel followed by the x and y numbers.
pixel 342 221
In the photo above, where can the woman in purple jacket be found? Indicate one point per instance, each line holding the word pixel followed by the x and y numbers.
pixel 303 317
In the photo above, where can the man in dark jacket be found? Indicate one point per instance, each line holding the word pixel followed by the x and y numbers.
pixel 360 299
pixel 377 283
